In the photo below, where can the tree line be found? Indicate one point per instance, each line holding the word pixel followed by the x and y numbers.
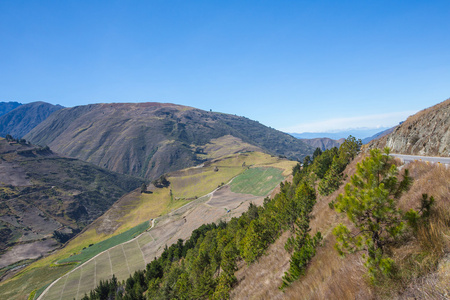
pixel 204 266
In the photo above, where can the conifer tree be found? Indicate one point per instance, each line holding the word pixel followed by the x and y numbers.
pixel 370 202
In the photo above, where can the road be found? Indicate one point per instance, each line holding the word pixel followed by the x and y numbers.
pixel 432 159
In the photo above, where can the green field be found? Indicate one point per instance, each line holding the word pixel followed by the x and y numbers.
pixel 121 260
pixel 95 249
pixel 185 185
pixel 257 181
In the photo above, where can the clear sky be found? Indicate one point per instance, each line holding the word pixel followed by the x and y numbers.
pixel 292 65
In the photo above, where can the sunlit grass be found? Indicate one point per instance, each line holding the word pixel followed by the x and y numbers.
pixel 136 208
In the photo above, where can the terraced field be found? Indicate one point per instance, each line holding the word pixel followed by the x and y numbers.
pixel 126 258
pixel 177 213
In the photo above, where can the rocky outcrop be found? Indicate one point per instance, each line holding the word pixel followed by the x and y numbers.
pixel 425 133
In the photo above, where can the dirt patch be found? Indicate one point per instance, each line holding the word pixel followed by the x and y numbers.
pixel 178 224
pixel 11 174
pixel 225 198
pixel 27 251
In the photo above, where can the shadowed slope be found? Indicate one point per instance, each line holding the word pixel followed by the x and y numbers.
pixel 22 119
pixel 150 139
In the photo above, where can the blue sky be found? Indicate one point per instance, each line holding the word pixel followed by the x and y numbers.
pixel 292 65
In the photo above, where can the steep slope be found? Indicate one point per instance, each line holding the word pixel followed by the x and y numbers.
pixel 150 139
pixel 323 143
pixel 379 135
pixel 8 106
pixel 22 119
pixel 176 211
pixel 425 133
pixel 41 192
pixel 329 276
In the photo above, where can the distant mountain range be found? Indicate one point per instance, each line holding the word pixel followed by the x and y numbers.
pixel 328 143
pixel 150 139
pixel 360 133
pixel 8 106
pixel 23 117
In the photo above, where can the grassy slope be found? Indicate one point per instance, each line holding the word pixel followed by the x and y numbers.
pixel 332 277
pixel 257 181
pixel 136 208
pixel 54 190
pixel 95 249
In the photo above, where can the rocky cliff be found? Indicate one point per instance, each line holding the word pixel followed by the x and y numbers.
pixel 425 133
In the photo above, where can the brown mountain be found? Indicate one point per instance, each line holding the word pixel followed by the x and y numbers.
pixel 150 139
pixel 41 192
pixel 23 118
pixel 323 143
pixel 425 133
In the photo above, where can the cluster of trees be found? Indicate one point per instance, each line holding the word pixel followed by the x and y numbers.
pixel 63 237
pixel 161 182
pixel 204 265
pixel 10 138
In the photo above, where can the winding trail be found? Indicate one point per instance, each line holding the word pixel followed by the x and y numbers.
pixel 80 266
pixel 171 227
pixel 42 295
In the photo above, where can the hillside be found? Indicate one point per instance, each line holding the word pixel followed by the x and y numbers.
pixel 23 118
pixel 423 262
pixel 323 143
pixel 250 257
pixel 194 196
pixel 425 133
pixel 378 135
pixel 150 139
pixel 8 106
pixel 42 192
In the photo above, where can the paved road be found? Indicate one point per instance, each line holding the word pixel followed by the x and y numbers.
pixel 410 158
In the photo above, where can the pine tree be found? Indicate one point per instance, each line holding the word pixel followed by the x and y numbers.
pixel 370 202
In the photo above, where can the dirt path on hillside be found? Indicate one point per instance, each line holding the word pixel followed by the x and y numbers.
pixel 221 204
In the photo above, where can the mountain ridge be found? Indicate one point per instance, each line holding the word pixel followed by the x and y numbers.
pixel 150 139
pixel 25 117
pixel 6 107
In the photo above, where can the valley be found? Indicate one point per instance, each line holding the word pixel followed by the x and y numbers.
pixel 46 199
pixel 198 195
pixel 221 185
pixel 224 150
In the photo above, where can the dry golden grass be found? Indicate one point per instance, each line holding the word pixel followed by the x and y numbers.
pixel 328 274
pixel 423 261
pixel 426 111
pixel 135 208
